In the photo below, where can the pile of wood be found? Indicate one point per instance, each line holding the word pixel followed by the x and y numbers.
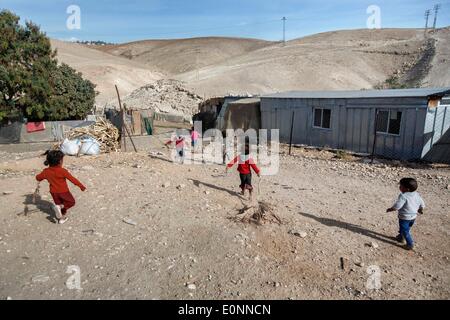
pixel 103 131
pixel 259 214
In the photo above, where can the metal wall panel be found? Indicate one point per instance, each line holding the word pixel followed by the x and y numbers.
pixel 352 124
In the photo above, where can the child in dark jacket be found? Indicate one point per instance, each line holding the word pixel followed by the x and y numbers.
pixel 56 176
pixel 245 166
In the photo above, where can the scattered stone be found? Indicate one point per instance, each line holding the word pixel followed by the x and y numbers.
pixel 191 286
pixel 373 245
pixel 448 187
pixel 181 186
pixel 130 222
pixel 344 262
pixel 301 234
pixel 6 193
pixel 40 278
pixel 166 184
pixel 87 168
pixel 359 264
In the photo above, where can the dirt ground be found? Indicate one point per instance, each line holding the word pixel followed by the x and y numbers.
pixel 150 229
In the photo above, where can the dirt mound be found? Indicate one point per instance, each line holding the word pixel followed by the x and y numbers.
pixel 163 96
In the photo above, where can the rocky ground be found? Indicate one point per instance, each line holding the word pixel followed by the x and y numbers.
pixel 150 229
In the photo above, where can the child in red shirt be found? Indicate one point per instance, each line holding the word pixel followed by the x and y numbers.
pixel 245 166
pixel 179 146
pixel 56 176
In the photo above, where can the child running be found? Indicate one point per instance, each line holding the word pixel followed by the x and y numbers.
pixel 245 164
pixel 408 204
pixel 194 138
pixel 179 146
pixel 56 176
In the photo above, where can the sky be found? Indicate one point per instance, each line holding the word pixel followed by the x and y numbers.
pixel 119 21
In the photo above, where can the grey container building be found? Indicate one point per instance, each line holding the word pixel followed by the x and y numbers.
pixel 404 124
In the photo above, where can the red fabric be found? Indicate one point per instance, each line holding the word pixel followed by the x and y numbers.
pixel 65 199
pixel 244 167
pixel 179 143
pixel 56 177
pixel 35 126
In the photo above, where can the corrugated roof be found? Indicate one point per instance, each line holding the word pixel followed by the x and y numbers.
pixel 355 94
pixel 246 101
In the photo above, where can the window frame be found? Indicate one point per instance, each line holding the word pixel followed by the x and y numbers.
pixel 321 118
pixel 387 133
pixel 444 99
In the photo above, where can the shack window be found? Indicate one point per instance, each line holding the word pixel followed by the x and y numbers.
pixel 322 118
pixel 389 122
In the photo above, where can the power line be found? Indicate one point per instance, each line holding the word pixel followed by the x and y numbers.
pixel 436 10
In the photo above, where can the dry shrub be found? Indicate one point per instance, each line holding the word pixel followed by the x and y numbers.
pixel 261 213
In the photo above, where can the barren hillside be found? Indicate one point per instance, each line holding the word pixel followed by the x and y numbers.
pixel 105 70
pixel 352 59
pixel 335 60
pixel 439 75
pixel 182 55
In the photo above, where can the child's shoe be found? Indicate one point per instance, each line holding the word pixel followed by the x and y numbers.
pixel 409 247
pixel 57 210
pixel 63 220
pixel 400 238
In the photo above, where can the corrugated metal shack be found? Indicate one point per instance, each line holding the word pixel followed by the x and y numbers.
pixel 243 114
pixel 404 124
pixel 212 112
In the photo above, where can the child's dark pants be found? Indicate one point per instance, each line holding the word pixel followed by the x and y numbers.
pixel 246 181
pixel 66 199
pixel 405 227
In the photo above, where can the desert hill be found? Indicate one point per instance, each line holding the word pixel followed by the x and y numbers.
pixel 105 70
pixel 172 57
pixel 349 59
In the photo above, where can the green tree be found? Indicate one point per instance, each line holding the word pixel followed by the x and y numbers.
pixel 73 96
pixel 32 84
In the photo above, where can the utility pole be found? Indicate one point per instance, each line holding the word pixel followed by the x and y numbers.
pixel 427 16
pixel 436 10
pixel 284 30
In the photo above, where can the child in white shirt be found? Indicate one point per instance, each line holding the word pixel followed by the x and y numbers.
pixel 408 204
